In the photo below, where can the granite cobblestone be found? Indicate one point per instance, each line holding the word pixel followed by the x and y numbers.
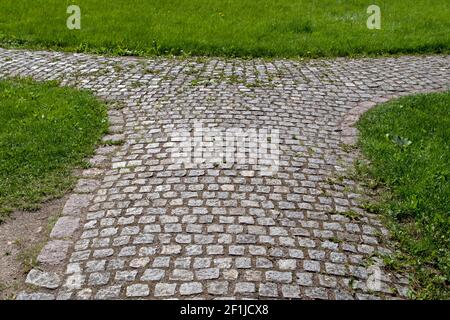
pixel 140 226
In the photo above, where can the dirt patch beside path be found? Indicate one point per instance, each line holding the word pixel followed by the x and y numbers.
pixel 21 238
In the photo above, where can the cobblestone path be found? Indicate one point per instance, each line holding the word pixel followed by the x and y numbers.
pixel 139 226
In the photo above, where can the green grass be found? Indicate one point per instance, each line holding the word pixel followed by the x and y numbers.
pixel 259 28
pixel 408 144
pixel 46 131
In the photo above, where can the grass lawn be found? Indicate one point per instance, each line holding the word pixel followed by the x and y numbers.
pixel 408 144
pixel 46 131
pixel 266 28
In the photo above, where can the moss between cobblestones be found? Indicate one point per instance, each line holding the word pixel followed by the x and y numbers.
pixel 407 143
pixel 46 132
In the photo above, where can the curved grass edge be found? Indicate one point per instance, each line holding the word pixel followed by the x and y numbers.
pixel 405 156
pixel 48 133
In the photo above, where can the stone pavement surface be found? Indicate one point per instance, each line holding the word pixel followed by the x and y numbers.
pixel 140 226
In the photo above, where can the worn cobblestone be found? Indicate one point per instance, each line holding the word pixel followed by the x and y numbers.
pixel 140 226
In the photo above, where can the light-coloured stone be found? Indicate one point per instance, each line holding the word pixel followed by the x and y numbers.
pixel 54 252
pixel 65 227
pixel 49 280
pixel 138 290
pixel 76 204
pixel 35 296
pixel 165 289
pixel 191 288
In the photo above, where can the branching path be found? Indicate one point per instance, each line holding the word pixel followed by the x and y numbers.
pixel 138 225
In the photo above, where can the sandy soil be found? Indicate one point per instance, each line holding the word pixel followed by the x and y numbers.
pixel 21 238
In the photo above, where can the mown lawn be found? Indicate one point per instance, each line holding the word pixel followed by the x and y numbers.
pixel 46 131
pixel 408 144
pixel 282 28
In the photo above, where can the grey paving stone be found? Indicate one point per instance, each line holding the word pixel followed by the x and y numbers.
pixel 54 252
pixel 165 289
pixel 49 280
pixel 138 290
pixel 111 292
pixel 244 287
pixel 84 294
pixel 268 290
pixel 208 273
pixel 316 293
pixel 217 287
pixel 290 291
pixel 74 281
pixel 304 278
pixel 35 296
pixel 236 229
pixel 277 276
pixel 191 288
pixel 76 203
pixel 86 185
pixel 65 227
pixel 153 275
pixel 98 278
pixel 125 275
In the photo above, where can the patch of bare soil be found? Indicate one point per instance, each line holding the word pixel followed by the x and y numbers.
pixel 21 238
